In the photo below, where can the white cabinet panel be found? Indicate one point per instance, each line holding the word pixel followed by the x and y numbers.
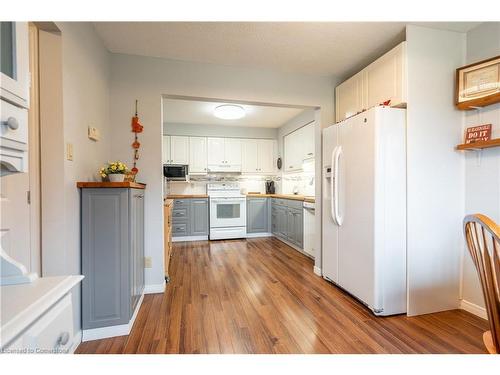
pixel 249 156
pixel 232 151
pixel 166 149
pixel 349 97
pixel 385 80
pixel 179 149
pixel 197 155
pixel 307 137
pixel 266 155
pixel 215 151
pixel 293 152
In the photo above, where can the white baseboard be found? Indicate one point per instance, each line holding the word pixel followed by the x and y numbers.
pixel 473 309
pixel 154 288
pixel 189 238
pixel 317 271
pixel 112 331
pixel 257 235
pixel 77 339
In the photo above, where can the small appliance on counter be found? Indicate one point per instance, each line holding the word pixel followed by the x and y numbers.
pixel 176 172
pixel 270 188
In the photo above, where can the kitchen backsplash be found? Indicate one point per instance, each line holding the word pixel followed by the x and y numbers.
pixel 302 181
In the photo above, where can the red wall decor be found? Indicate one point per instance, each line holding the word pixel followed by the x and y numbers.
pixel 136 128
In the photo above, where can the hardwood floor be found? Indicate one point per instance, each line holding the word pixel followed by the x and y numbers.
pixel 261 296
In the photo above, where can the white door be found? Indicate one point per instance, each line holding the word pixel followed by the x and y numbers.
pixel 166 149
pixel 250 156
pixel 215 148
pixel 179 149
pixel 330 229
pixel 198 155
pixel 307 136
pixel 232 151
pixel 266 155
pixel 356 206
pixel 349 97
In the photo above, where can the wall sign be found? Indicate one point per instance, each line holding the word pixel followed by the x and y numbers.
pixel 478 133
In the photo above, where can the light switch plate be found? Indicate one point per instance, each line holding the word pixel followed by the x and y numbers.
pixel 148 262
pixel 69 151
pixel 94 133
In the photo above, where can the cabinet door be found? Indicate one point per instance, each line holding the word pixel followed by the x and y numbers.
pixel 197 155
pixel 293 152
pixel 199 217
pixel 266 155
pixel 349 97
pixel 385 78
pixel 282 222
pixel 179 149
pixel 257 215
pixel 307 136
pixel 166 150
pixel 137 246
pixel 232 151
pixel 215 151
pixel 106 294
pixel 250 156
pixel 298 228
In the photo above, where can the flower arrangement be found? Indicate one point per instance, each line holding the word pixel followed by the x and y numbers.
pixel 114 170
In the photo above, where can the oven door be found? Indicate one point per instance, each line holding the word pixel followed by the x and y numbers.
pixel 228 212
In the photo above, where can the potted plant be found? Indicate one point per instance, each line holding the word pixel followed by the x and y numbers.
pixel 115 171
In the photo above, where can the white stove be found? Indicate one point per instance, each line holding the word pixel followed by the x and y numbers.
pixel 228 211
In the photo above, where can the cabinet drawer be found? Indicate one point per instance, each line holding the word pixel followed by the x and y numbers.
pixel 179 214
pixel 51 333
pixel 180 230
pixel 180 203
pixel 19 117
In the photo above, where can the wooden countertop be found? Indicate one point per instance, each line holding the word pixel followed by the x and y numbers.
pixel 90 184
pixel 285 196
pixel 186 196
pixel 168 202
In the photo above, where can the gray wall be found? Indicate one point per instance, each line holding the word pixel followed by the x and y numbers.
pixel 219 131
pixel 482 173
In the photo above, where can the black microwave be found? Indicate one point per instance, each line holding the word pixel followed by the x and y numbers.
pixel 175 172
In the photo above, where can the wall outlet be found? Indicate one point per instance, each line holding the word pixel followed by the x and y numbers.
pixel 94 133
pixel 148 262
pixel 69 151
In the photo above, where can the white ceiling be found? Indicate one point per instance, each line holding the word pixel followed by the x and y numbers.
pixel 318 48
pixel 201 113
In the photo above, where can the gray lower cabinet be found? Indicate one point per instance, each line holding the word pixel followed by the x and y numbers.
pixel 287 220
pixel 258 216
pixel 112 240
pixel 190 217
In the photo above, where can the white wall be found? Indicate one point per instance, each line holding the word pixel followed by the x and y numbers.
pixel 482 169
pixel 85 89
pixel 147 79
pixel 219 131
pixel 435 170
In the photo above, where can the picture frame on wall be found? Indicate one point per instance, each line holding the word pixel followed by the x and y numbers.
pixel 478 84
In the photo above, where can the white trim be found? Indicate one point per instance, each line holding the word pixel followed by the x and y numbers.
pixel 256 235
pixel 77 339
pixel 189 238
pixel 112 331
pixel 154 288
pixel 317 271
pixel 473 308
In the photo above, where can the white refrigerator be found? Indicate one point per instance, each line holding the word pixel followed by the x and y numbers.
pixel 364 208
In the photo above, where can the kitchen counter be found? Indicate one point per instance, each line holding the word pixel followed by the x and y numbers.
pixel 284 196
pixel 109 185
pixel 168 202
pixel 186 196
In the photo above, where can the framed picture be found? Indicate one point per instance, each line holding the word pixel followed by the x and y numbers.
pixel 478 84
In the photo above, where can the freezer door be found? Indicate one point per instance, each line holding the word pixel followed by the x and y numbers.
pixel 329 228
pixel 356 206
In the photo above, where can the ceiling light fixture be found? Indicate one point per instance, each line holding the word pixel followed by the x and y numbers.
pixel 229 112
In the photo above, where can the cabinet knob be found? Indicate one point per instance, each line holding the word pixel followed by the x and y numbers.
pixel 12 123
pixel 310 153
pixel 140 196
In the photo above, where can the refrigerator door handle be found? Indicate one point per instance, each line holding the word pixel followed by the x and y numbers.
pixel 335 184
pixel 332 187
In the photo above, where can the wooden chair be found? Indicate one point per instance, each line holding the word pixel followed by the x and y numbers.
pixel 483 240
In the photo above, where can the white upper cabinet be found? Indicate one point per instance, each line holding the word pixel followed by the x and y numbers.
pixel 307 135
pixel 175 149
pixel 215 151
pixel 258 155
pixel 224 154
pixel 293 151
pixel 384 79
pixel 349 97
pixel 232 150
pixel 197 155
pixel 14 66
pixel 179 149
